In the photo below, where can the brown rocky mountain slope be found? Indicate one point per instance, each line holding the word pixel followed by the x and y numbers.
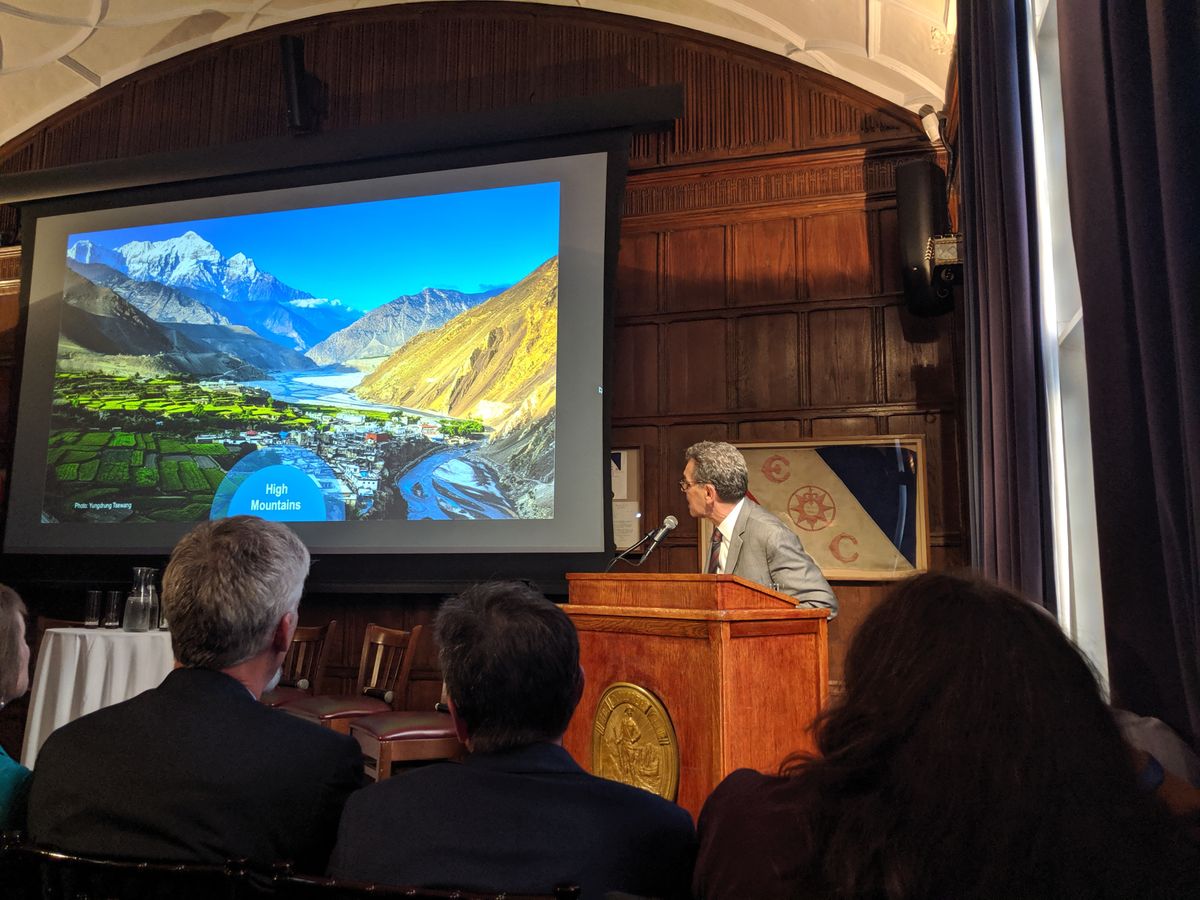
pixel 495 362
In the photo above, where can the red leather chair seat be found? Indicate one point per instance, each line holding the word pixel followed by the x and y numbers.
pixel 404 736
pixel 284 694
pixel 334 711
pixel 406 725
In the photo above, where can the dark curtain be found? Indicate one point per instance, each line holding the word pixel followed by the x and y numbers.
pixel 1131 77
pixel 1007 458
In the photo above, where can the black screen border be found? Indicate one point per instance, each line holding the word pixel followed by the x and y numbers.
pixel 423 566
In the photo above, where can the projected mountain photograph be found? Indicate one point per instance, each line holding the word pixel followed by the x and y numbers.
pixel 394 359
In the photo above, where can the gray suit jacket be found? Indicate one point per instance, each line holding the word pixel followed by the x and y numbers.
pixel 763 549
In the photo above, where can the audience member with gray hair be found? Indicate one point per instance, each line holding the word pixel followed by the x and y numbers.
pixel 197 770
pixel 747 540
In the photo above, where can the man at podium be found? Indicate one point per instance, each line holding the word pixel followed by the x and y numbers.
pixel 748 541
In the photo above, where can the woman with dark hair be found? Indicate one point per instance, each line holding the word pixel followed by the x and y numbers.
pixel 972 756
pixel 14 682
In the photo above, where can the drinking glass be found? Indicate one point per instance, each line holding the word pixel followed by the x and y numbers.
pixel 112 610
pixel 91 611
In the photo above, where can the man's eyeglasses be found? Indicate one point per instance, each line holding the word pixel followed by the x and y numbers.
pixel 684 484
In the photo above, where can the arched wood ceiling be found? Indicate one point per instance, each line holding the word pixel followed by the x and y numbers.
pixel 54 52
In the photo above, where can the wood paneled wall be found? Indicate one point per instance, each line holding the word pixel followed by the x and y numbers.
pixel 758 287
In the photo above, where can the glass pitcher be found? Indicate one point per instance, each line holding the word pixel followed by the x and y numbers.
pixel 141 606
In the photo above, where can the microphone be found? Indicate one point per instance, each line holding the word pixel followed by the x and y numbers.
pixel 662 531
pixel 657 536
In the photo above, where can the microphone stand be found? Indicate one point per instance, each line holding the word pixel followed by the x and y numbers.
pixel 623 555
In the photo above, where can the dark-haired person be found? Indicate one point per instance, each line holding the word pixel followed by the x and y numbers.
pixel 748 540
pixel 14 682
pixel 519 814
pixel 972 756
pixel 197 769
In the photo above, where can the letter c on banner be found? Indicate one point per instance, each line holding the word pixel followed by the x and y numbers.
pixel 835 547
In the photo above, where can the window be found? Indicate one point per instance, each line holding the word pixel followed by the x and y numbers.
pixel 1077 559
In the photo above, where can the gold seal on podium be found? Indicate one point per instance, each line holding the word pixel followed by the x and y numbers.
pixel 633 740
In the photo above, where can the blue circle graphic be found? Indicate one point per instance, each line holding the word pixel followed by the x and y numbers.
pixel 281 494
pixel 283 484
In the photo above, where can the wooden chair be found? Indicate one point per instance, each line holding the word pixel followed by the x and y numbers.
pixel 289 886
pixel 404 736
pixel 36 873
pixel 304 665
pixel 383 671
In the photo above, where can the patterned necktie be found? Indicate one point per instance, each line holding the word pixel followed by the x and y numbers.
pixel 714 552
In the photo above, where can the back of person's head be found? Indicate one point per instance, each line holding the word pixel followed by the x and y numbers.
pixel 721 465
pixel 973 756
pixel 226 587
pixel 510 659
pixel 14 660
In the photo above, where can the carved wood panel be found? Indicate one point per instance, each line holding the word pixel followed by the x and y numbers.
pixel 695 268
pixel 106 123
pixel 248 98
pixel 844 426
pixel 636 375
pixel 175 110
pixel 10 310
pixel 770 430
pixel 837 253
pixel 841 342
pixel 888 252
pixel 638 274
pixel 767 351
pixel 765 262
pixel 371 69
pixel 733 105
pixel 475 60
pixel 835 118
pixel 918 357
pixel 694 369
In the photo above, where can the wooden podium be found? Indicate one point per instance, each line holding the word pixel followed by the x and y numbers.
pixel 740 670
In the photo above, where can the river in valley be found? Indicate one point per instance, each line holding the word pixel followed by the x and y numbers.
pixel 454 484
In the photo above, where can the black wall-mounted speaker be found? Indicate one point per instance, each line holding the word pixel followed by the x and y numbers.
pixel 921 213
pixel 301 109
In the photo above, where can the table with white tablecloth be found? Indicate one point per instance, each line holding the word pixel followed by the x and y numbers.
pixel 81 670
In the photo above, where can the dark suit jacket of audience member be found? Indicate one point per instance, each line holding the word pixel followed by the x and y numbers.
pixel 195 770
pixel 524 820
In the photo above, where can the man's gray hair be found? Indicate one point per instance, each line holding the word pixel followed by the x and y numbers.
pixel 721 465
pixel 228 584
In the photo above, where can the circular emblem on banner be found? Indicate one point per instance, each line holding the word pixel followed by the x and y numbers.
pixel 776 469
pixel 811 508
pixel 633 740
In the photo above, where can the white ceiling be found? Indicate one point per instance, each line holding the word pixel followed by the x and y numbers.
pixel 54 52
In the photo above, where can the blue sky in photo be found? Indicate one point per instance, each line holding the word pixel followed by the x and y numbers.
pixel 366 254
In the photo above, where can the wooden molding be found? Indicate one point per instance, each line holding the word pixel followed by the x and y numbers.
pixel 795 179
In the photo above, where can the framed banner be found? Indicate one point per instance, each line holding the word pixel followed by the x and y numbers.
pixel 859 505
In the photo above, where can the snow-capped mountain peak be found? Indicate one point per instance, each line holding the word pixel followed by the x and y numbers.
pixel 86 251
pixel 240 266
pixel 234 287
pixel 185 261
